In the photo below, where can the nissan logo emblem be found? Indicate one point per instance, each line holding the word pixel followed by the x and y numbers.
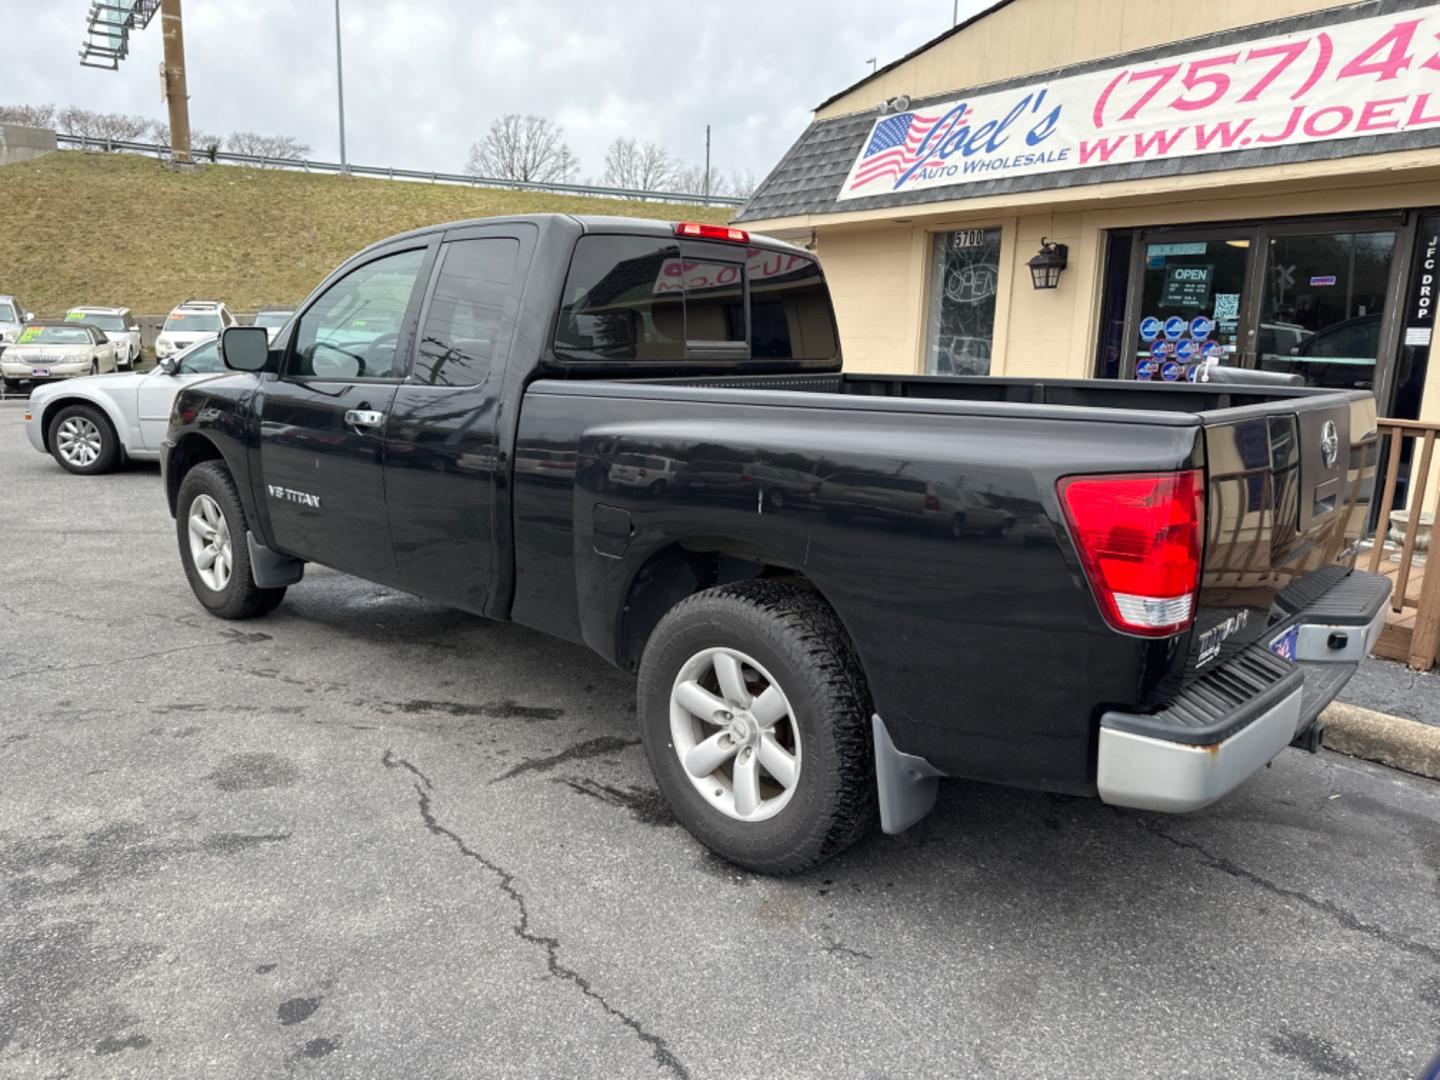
pixel 1329 444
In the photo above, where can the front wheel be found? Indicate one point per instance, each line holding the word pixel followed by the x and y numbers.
pixel 756 722
pixel 83 442
pixel 211 527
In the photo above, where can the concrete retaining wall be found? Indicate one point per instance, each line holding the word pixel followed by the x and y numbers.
pixel 23 143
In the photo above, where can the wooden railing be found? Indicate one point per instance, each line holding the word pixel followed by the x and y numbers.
pixel 1419 642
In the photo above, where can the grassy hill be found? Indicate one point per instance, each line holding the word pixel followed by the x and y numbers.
pixel 81 228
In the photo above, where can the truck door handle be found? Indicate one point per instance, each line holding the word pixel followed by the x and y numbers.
pixel 364 418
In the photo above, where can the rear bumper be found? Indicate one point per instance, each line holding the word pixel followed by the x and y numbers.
pixel 1236 719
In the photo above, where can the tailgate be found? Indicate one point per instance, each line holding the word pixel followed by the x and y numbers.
pixel 1288 496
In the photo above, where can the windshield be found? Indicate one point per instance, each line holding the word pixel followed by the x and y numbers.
pixel 8 313
pixel 271 319
pixel 104 322
pixel 188 322
pixel 55 335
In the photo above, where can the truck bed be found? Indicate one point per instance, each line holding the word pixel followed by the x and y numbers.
pixel 1177 401
pixel 926 508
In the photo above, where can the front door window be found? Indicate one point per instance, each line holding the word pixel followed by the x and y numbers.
pixel 960 328
pixel 1323 306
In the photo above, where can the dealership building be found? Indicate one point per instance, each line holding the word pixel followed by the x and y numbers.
pixel 1127 188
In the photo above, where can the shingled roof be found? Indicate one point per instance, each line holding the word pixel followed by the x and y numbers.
pixel 808 178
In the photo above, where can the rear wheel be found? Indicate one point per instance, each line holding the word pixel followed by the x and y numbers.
pixel 211 527
pixel 82 440
pixel 756 721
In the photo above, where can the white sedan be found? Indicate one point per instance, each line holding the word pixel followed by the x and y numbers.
pixel 56 350
pixel 87 424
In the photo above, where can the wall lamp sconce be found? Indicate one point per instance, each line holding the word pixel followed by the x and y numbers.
pixel 1045 267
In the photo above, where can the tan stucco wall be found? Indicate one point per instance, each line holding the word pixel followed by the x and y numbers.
pixel 1029 36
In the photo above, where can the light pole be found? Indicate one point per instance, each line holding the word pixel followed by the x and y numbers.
pixel 340 88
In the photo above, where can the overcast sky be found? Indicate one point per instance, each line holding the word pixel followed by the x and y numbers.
pixel 424 79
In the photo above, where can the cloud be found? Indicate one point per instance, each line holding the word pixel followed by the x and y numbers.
pixel 424 79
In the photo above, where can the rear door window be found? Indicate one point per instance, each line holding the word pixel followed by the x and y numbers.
pixel 466 315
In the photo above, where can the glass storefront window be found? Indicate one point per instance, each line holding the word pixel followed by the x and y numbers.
pixel 960 326
pixel 1324 305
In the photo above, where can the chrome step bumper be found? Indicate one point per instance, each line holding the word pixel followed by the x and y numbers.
pixel 1235 720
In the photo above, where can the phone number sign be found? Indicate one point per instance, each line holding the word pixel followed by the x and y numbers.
pixel 1373 76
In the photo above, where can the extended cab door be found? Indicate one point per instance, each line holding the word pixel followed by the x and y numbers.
pixel 442 459
pixel 322 422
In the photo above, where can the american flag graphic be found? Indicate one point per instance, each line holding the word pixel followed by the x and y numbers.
pixel 894 148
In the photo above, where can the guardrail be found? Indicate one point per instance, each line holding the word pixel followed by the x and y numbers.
pixel 1412 639
pixel 159 150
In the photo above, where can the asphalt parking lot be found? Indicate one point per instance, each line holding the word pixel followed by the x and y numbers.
pixel 372 837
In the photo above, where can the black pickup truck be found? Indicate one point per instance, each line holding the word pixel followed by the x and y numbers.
pixel 835 588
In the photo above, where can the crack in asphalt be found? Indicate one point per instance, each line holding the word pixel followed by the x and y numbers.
pixel 111 663
pixel 659 1048
pixel 605 744
pixel 1344 918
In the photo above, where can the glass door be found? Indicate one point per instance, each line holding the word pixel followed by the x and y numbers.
pixel 1323 303
pixel 1187 301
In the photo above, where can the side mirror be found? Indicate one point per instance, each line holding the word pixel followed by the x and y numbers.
pixel 29 316
pixel 245 348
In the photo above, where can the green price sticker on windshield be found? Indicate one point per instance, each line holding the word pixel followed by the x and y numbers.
pixel 74 316
pixel 358 322
pixel 29 334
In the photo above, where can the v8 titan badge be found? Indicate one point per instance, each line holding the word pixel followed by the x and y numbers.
pixel 1149 328
pixel 1175 328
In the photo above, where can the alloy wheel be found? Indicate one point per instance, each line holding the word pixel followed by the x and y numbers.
pixel 78 440
pixel 735 733
pixel 210 543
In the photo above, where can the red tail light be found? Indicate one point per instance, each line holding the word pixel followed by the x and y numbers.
pixel 700 231
pixel 1139 537
pixel 932 502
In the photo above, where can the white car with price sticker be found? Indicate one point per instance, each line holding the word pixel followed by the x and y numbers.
pixel 88 424
pixel 56 350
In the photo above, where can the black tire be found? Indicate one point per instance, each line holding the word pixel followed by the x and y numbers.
pixel 241 598
pixel 797 637
pixel 109 453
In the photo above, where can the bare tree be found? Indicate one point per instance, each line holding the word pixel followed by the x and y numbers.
pixel 201 142
pixel 742 184
pixel 41 116
pixel 120 127
pixel 522 148
pixel 640 166
pixel 273 147
pixel 691 179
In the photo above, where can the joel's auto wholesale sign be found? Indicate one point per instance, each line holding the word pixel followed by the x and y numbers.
pixel 1367 77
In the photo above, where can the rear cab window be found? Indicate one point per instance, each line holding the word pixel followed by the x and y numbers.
pixel 654 298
